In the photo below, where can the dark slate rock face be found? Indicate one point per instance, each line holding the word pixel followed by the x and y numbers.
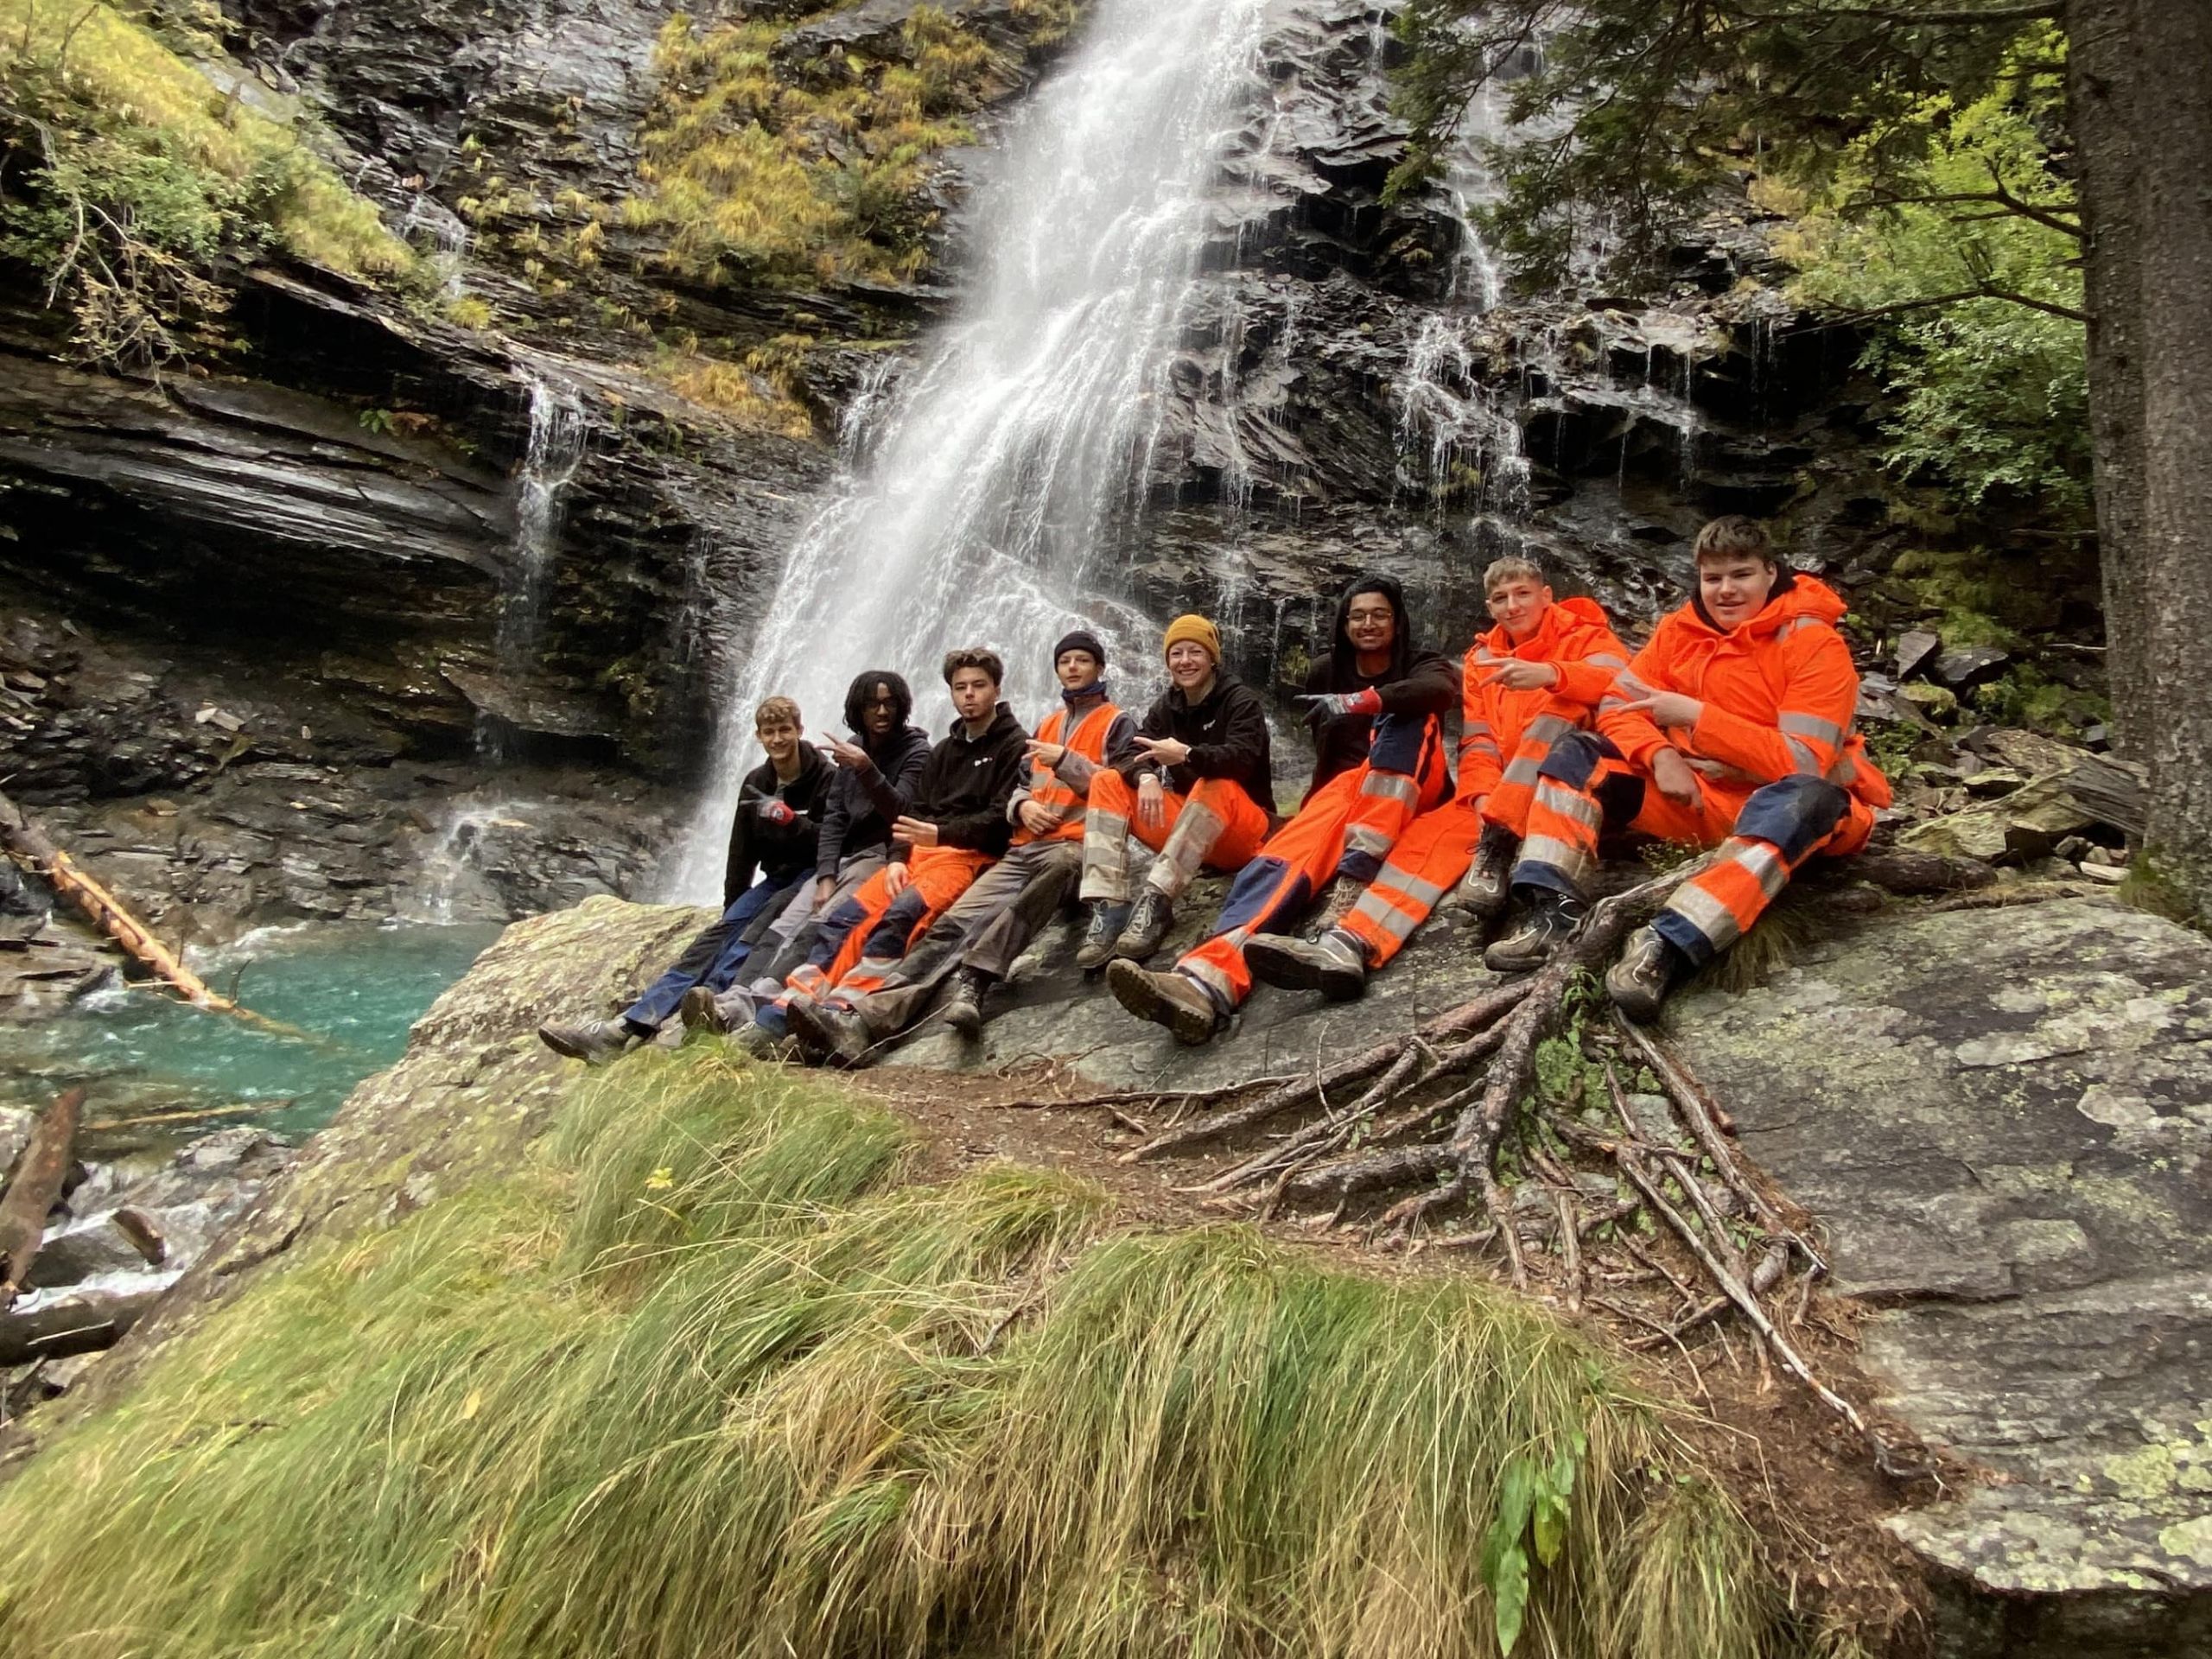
pixel 2003 1118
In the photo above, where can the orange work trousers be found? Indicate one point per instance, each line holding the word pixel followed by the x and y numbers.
pixel 1347 827
pixel 1765 833
pixel 1216 826
pixel 865 938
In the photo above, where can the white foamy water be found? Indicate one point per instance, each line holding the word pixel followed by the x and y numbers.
pixel 1001 464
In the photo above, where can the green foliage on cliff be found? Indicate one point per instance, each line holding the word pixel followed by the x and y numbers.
pixel 1993 383
pixel 718 1375
pixel 799 170
pixel 135 179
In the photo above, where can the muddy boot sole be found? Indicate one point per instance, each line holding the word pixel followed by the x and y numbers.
pixel 826 1036
pixel 1140 991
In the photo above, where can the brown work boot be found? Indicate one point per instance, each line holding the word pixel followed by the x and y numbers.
pixel 1482 892
pixel 1337 900
pixel 1550 921
pixel 1335 964
pixel 963 1002
pixel 592 1041
pixel 697 1010
pixel 1149 919
pixel 1648 970
pixel 827 1035
pixel 1175 1000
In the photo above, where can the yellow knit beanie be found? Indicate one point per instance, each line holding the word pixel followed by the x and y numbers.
pixel 1193 627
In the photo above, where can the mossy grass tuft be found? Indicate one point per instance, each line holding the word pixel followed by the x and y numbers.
pixel 717 1374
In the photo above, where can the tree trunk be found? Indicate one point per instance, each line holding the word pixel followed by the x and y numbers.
pixel 2174 47
pixel 2101 102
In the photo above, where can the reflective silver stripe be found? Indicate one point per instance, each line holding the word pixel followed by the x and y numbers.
pixel 1796 624
pixel 1480 746
pixel 1813 726
pixel 1210 976
pixel 1803 758
pixel 1524 771
pixel 1366 838
pixel 1547 728
pixel 1408 886
pixel 1606 660
pixel 1627 681
pixel 1706 913
pixel 1568 860
pixel 1762 861
pixel 1391 786
pixel 1570 803
pixel 1392 920
pixel 1474 727
pixel 1197 829
pixel 1105 857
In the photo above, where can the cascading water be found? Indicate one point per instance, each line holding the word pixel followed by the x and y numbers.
pixel 551 454
pixel 1002 464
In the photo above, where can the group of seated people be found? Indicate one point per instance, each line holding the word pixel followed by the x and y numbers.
pixel 878 878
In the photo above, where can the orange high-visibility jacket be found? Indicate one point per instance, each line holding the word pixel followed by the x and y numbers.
pixel 1780 692
pixel 1045 787
pixel 1575 637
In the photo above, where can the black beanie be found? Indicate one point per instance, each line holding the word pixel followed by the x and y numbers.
pixel 1080 640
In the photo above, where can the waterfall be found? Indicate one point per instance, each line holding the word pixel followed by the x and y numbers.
pixel 551 454
pixel 1002 465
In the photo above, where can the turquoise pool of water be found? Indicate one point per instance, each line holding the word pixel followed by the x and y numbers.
pixel 352 988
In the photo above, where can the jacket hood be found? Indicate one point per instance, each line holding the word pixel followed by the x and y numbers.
pixel 1344 661
pixel 894 743
pixel 1564 614
pixel 1222 680
pixel 1797 596
pixel 902 699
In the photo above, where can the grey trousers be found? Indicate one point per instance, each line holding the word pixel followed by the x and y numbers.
pixel 987 928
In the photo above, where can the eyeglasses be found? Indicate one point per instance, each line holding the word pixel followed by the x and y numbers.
pixel 881 702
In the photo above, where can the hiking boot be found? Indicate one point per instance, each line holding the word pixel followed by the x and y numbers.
pixel 1648 970
pixel 1335 964
pixel 829 1035
pixel 963 1006
pixel 1482 892
pixel 698 1012
pixel 1100 937
pixel 758 1041
pixel 1175 1000
pixel 1342 893
pixel 1551 920
pixel 592 1041
pixel 1149 919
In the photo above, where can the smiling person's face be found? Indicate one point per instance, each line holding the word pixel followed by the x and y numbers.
pixel 1190 665
pixel 779 739
pixel 974 692
pixel 1518 604
pixel 1736 588
pixel 878 710
pixel 1371 624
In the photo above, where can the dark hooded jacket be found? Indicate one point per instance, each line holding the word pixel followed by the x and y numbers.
pixel 1227 735
pixel 967 781
pixel 863 800
pixel 1417 681
pixel 760 844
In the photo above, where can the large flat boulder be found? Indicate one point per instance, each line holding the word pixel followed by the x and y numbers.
pixel 2001 1117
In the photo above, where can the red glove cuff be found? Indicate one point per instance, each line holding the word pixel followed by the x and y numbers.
pixel 1368 702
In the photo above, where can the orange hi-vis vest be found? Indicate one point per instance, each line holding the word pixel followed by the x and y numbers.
pixel 1089 740
pixel 1574 636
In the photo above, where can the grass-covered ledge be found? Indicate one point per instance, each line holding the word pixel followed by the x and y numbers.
pixel 716 1373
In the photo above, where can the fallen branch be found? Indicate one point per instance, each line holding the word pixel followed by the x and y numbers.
pixel 36 1188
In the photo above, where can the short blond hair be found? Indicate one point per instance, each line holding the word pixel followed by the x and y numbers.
pixel 777 711
pixel 1510 569
pixel 1735 536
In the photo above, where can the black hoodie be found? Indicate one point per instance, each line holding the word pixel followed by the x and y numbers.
pixel 1417 681
pixel 863 800
pixel 1228 737
pixel 760 844
pixel 967 781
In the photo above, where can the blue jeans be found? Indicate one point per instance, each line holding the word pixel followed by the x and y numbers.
pixel 714 959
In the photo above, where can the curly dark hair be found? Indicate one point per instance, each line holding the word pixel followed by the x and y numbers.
pixel 863 687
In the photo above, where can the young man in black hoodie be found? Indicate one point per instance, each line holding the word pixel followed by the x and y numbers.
pixel 974 944
pixel 957 826
pixel 1198 791
pixel 774 834
pixel 1377 703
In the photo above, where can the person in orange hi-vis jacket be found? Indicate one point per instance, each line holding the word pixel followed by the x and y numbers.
pixel 1743 703
pixel 1541 672
pixel 1376 700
